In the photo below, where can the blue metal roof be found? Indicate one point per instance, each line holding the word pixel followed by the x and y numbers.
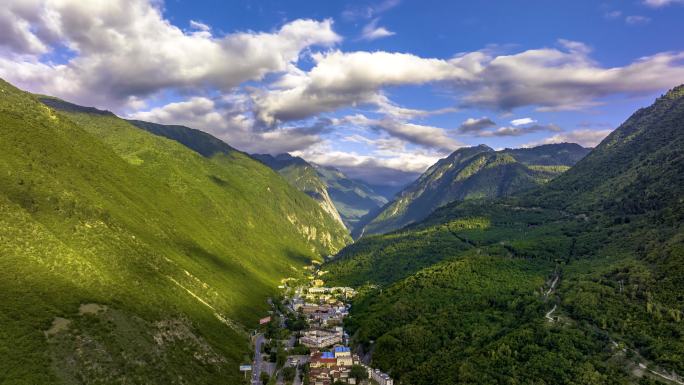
pixel 328 355
pixel 340 349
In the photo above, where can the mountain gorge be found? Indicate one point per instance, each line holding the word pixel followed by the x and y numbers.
pixel 347 200
pixel 472 173
pixel 127 257
pixel 577 281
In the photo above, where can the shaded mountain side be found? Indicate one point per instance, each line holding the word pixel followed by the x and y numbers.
pixel 127 257
pixel 197 140
pixel 474 173
pixel 579 280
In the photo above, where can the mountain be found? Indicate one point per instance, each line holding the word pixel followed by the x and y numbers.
pixel 471 173
pixel 126 257
pixel 345 198
pixel 304 177
pixel 353 198
pixel 576 281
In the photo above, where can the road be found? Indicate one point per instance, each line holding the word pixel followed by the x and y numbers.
pixel 256 365
pixel 548 315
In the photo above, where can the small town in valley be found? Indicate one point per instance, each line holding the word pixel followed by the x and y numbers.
pixel 303 340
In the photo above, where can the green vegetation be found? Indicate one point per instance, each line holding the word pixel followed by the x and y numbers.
pixel 303 177
pixel 345 198
pixel 474 173
pixel 128 257
pixel 575 282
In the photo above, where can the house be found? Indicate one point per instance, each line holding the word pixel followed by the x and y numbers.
pixel 318 338
pixel 343 356
pixel 380 377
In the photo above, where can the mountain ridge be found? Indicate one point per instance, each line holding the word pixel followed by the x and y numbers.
pixel 474 172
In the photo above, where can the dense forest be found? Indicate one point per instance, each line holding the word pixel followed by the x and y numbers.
pixel 576 282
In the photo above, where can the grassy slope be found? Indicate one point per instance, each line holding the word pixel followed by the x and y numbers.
pixel 103 212
pixel 611 228
pixel 474 173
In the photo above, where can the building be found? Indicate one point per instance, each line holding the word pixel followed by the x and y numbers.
pixel 317 338
pixel 323 360
pixel 343 356
pixel 380 377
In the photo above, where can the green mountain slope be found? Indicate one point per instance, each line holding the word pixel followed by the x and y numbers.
pixel 304 177
pixel 472 173
pixel 578 281
pixel 127 257
pixel 351 199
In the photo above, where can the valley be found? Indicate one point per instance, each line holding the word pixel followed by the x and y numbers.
pixel 353 192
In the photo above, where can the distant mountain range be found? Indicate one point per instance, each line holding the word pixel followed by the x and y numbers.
pixel 472 173
pixel 347 200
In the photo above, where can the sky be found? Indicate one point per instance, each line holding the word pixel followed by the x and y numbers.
pixel 379 89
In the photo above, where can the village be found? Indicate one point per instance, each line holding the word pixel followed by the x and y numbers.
pixel 303 340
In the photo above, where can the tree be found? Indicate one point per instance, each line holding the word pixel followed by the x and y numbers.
pixel 289 373
pixel 264 378
pixel 358 372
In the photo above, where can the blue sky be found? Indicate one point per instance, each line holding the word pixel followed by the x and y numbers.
pixel 380 89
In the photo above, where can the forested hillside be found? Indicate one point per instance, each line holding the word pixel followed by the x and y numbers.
pixel 344 198
pixel 474 173
pixel 576 282
pixel 126 257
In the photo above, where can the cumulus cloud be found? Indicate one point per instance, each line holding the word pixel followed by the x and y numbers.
pixel 427 136
pixel 346 79
pixel 548 78
pixel 395 166
pixel 127 48
pixel 583 137
pixel 475 125
pixel 371 31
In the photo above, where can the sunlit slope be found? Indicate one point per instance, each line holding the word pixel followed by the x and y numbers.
pixel 178 251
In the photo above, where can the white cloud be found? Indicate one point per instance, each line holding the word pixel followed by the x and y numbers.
pixel 475 125
pixel 522 121
pixel 637 20
pixel 199 26
pixel 520 130
pixel 395 166
pixel 661 3
pixel 612 15
pixel 369 11
pixel 371 31
pixel 583 137
pixel 127 48
pixel 342 79
pixel 423 135
pixel 547 78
